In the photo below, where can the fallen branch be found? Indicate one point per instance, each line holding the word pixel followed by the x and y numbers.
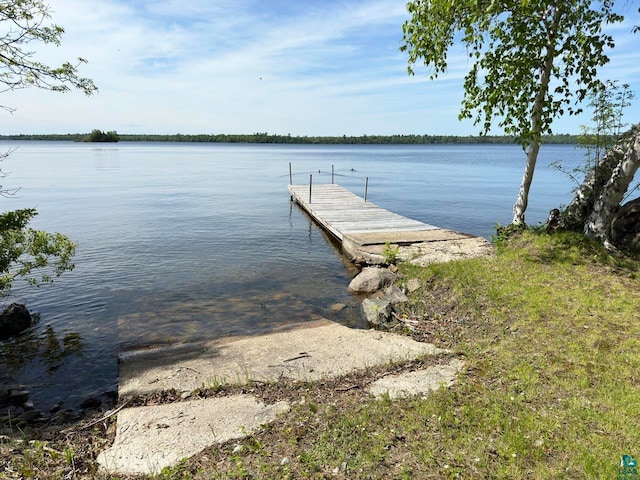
pixel 106 415
pixel 302 355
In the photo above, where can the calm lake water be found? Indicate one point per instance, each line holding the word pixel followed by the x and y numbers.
pixel 182 242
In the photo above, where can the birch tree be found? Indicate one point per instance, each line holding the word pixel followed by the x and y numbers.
pixel 625 155
pixel 531 62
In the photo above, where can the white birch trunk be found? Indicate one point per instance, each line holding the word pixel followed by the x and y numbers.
pixel 598 225
pixel 522 199
pixel 581 206
pixel 523 194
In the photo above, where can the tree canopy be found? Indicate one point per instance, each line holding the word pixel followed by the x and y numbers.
pixel 33 255
pixel 100 136
pixel 531 61
pixel 22 23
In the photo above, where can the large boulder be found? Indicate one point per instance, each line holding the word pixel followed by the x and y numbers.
pixel 14 320
pixel 371 279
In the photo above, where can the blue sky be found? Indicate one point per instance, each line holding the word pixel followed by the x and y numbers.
pixel 243 66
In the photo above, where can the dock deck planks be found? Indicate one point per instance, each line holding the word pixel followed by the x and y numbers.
pixel 344 213
pixel 364 228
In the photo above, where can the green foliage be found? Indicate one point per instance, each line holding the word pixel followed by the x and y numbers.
pixel 390 253
pixel 515 49
pixel 100 136
pixel 530 61
pixel 31 254
pixel 504 232
pixel 24 22
pixel 608 104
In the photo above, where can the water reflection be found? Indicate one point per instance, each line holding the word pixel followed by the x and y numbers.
pixel 40 352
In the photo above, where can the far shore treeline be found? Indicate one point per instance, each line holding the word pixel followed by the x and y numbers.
pixel 304 140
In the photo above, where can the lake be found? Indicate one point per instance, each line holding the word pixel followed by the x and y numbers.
pixel 183 242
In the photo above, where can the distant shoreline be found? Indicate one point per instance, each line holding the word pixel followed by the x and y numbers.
pixel 265 138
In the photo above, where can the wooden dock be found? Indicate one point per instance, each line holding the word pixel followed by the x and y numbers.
pixel 364 228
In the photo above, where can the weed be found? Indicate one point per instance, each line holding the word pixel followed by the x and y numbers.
pixel 390 253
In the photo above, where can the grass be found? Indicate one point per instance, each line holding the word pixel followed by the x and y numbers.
pixel 549 332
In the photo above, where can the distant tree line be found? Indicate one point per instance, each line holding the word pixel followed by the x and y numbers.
pixel 98 136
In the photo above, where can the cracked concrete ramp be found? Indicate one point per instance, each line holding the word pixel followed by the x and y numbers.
pixel 418 382
pixel 151 438
pixel 323 350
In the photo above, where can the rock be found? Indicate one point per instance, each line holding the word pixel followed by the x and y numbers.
pixel 91 402
pixel 337 307
pixel 378 313
pixel 625 226
pixel 394 295
pixel 554 221
pixel 14 397
pixel 14 320
pixel 413 285
pixel 65 416
pixel 371 279
pixel 30 417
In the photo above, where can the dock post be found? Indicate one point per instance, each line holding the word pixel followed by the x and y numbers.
pixel 366 187
pixel 331 174
pixel 290 177
pixel 310 183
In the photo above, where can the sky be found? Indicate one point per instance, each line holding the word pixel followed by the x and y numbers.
pixel 313 68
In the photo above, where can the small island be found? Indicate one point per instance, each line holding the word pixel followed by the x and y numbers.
pixel 100 136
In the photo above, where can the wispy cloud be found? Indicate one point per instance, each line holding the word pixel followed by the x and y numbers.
pixel 240 66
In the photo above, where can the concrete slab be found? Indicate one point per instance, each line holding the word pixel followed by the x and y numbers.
pixel 151 438
pixel 433 234
pixel 419 248
pixel 418 382
pixel 445 251
pixel 324 350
